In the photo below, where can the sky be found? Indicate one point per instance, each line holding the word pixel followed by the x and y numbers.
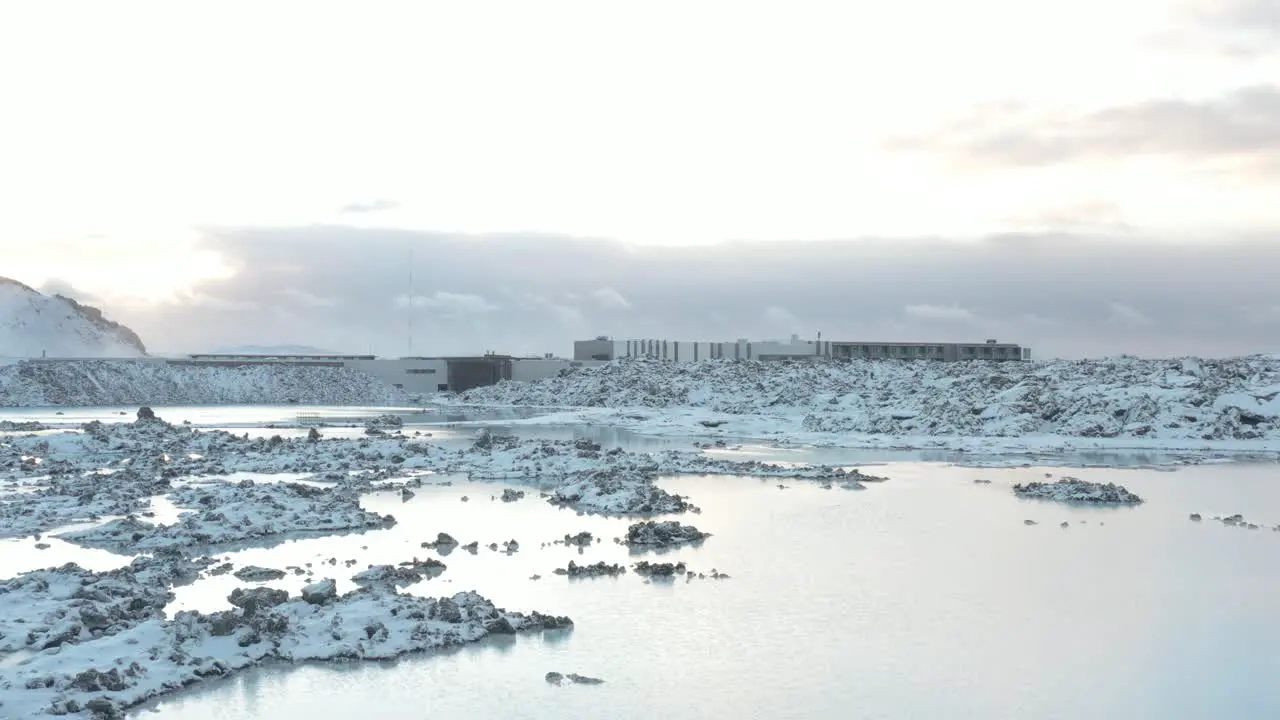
pixel 1085 178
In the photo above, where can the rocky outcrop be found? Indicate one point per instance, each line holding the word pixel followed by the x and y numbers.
pixel 599 569
pixel 659 570
pixel 70 605
pixel 662 534
pixel 405 574
pixel 1072 490
pixel 1186 398
pixel 254 573
pixel 370 624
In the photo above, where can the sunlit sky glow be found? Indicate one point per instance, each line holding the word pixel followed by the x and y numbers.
pixel 131 129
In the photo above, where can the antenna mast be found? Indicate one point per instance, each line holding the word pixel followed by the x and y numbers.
pixel 410 302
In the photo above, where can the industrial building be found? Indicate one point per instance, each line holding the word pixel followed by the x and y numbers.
pixel 604 348
pixel 429 375
pixel 421 375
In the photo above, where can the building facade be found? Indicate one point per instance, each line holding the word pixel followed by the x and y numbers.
pixel 418 375
pixel 605 349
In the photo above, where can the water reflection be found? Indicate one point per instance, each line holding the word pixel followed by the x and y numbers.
pixel 928 589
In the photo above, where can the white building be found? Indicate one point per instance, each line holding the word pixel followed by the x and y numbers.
pixel 604 348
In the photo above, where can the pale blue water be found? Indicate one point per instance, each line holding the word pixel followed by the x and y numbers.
pixel 923 597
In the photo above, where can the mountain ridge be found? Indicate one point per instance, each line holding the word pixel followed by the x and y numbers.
pixel 33 324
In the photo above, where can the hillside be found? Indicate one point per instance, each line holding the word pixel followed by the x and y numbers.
pixel 33 324
pixel 1185 399
pixel 150 382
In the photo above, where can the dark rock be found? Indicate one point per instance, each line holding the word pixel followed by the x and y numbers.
pixel 255 599
pixel 253 573
pixel 662 534
pixel 601 568
pixel 500 626
pixel 659 570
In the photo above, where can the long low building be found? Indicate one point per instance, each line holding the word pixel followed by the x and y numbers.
pixel 420 375
pixel 605 348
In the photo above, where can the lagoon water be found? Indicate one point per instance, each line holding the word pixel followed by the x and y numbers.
pixel 923 597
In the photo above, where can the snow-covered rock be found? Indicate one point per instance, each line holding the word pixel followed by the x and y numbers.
pixel 662 534
pixel 159 382
pixel 599 569
pixel 34 325
pixel 254 573
pixel 404 575
pixel 157 656
pixel 319 593
pixel 1071 490
pixel 49 481
pixel 67 605
pixel 1124 397
pixel 232 512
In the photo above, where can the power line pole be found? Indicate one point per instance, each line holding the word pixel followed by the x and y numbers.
pixel 410 303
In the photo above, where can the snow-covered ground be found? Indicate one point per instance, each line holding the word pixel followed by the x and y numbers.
pixel 33 324
pixel 79 641
pixel 97 642
pixel 123 382
pixel 1231 405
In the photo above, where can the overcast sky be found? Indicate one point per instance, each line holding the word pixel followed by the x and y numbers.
pixel 1084 177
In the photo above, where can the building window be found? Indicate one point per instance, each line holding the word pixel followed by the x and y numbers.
pixel 442 387
pixel 420 371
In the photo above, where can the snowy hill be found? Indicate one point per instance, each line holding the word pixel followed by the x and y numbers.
pixel 1188 399
pixel 35 383
pixel 273 350
pixel 32 324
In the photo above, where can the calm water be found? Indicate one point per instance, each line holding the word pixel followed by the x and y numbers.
pixel 923 597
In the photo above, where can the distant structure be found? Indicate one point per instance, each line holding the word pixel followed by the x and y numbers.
pixel 604 348
pixel 416 374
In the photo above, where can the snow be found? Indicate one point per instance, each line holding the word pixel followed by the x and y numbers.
pixel 50 608
pixel 226 513
pixel 33 325
pixel 52 480
pixel 152 382
pixel 1230 404
pixel 159 656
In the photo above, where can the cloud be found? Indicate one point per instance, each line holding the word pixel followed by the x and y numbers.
pixel 779 316
pixel 58 286
pixel 448 304
pixel 1049 291
pixel 949 313
pixel 1261 17
pixel 306 299
pixel 379 205
pixel 1091 215
pixel 610 298
pixel 1242 127
pixel 1128 315
pixel 567 315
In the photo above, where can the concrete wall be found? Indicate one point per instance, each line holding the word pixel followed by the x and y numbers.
pixel 599 349
pixel 526 369
pixel 411 375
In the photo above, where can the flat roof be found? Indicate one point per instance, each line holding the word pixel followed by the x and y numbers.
pixel 278 356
